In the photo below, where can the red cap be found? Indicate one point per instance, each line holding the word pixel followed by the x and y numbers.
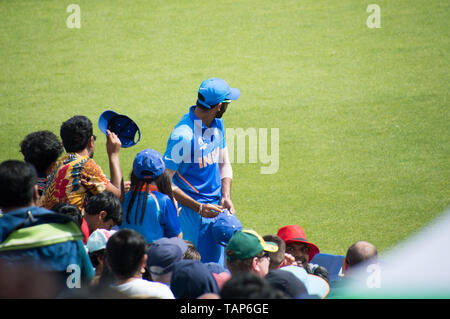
pixel 296 234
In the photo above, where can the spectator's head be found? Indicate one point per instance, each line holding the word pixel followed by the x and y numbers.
pixel 17 185
pixel 126 254
pixel 103 210
pixel 77 135
pixel 191 279
pixel 41 149
pixel 96 246
pixel 247 285
pixel 361 251
pixel 287 282
pixel 162 256
pixel 297 245
pixel 69 210
pixel 277 258
pixel 191 252
pixel 248 252
pixel 148 168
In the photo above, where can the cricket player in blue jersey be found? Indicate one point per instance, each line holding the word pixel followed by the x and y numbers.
pixel 197 159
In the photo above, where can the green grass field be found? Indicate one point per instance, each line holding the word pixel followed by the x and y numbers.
pixel 363 114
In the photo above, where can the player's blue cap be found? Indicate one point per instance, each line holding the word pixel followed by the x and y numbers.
pixel 214 91
pixel 148 164
pixel 225 226
pixel 124 127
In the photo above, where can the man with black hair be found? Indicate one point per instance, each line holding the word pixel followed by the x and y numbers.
pixel 103 210
pixel 34 234
pixel 126 256
pixel 196 158
pixel 69 210
pixel 77 175
pixel 41 149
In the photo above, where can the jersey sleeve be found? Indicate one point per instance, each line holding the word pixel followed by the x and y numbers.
pixel 92 177
pixel 178 147
pixel 170 221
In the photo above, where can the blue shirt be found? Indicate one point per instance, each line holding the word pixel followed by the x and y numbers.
pixel 193 152
pixel 160 218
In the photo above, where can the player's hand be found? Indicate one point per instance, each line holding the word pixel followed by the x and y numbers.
pixel 228 204
pixel 210 210
pixel 113 143
pixel 127 186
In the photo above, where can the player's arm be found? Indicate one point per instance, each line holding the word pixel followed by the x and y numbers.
pixel 226 176
pixel 205 210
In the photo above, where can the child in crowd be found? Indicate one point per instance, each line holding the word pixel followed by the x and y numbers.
pixel 96 246
pixel 149 206
pixel 126 256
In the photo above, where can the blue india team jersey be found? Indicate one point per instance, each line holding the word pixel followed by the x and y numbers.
pixel 193 152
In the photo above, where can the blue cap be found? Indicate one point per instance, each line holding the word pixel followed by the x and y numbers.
pixel 124 127
pixel 214 91
pixel 148 164
pixel 98 239
pixel 191 279
pixel 164 253
pixel 225 226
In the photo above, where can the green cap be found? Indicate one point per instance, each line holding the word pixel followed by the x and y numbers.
pixel 247 244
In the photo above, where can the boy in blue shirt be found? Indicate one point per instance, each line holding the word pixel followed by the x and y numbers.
pixel 196 158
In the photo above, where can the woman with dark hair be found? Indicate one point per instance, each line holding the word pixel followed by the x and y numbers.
pixel 149 207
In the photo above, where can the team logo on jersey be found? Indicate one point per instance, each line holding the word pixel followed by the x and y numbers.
pixel 201 144
pixel 209 159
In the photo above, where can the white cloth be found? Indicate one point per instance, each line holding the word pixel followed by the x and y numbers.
pixel 145 289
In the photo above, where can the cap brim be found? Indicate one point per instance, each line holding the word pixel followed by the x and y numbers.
pixel 234 94
pixel 317 286
pixel 270 247
pixel 104 119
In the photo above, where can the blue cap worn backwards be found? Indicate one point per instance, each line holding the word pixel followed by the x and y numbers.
pixel 214 91
pixel 148 164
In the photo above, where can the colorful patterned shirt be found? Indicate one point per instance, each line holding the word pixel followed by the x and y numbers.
pixel 74 178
